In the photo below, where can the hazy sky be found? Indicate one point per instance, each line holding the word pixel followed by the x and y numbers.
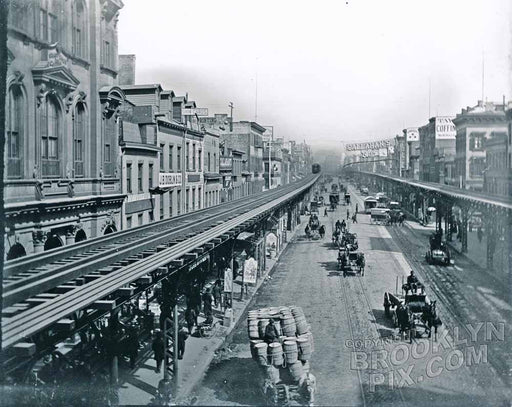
pixel 328 70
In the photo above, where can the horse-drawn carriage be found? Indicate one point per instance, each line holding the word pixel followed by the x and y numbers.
pixel 313 228
pixel 438 252
pixel 412 311
pixel 351 261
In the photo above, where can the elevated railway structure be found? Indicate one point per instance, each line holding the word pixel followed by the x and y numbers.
pixel 454 206
pixel 54 294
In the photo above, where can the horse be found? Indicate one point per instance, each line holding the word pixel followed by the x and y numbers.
pixel 405 321
pixel 430 318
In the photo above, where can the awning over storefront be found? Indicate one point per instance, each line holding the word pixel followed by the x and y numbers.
pixel 245 236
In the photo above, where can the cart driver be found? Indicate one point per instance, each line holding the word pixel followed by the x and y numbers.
pixel 412 281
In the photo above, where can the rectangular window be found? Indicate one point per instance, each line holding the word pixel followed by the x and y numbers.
pixel 151 216
pixel 209 163
pixel 107 54
pixel 187 157
pixel 43 25
pixel 214 162
pixel 171 152
pixel 193 157
pixel 193 199
pixel 200 159
pixel 162 146
pixel 178 202
pixel 129 178
pixel 188 201
pixel 151 175
pixel 170 203
pixel 139 219
pixel 178 158
pixel 128 222
pixel 162 206
pixel 199 198
pixel 139 178
pixel 54 28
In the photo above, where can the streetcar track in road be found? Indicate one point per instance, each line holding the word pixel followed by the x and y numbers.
pixel 456 302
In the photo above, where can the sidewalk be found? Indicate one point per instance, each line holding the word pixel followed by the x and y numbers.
pixel 138 387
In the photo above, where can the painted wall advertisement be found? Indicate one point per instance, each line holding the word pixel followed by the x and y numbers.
pixel 445 129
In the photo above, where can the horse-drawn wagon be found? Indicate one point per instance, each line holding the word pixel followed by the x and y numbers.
pixel 412 310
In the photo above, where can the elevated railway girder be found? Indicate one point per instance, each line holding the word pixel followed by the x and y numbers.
pixel 450 203
pixel 88 277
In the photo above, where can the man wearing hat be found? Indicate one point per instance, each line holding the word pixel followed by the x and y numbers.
pixel 271 332
pixel 158 348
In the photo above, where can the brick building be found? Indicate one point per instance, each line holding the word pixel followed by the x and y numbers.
pixel 437 149
pixel 473 126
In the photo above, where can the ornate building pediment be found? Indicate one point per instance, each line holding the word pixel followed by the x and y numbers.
pixel 56 76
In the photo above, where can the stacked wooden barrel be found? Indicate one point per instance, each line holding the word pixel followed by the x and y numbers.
pixel 293 350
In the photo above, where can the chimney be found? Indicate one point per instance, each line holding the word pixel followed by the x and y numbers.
pixel 126 69
pixel 480 103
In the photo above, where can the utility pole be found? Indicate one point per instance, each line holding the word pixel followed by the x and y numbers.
pixel 231 114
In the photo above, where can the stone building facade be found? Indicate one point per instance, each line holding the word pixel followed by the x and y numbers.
pixel 62 164
pixel 474 126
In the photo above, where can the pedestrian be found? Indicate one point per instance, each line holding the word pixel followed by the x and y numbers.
pixel 191 318
pixel 217 293
pixel 325 212
pixel 321 230
pixel 307 231
pixel 348 214
pixel 207 306
pixel 271 332
pixel 357 207
pixel 158 348
pixel 182 337
pixel 480 234
pixel 132 345
pixel 354 218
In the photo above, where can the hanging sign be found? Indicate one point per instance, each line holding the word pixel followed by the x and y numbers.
pixel 250 270
pixel 228 280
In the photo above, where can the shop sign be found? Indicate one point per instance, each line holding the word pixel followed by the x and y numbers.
pixel 196 111
pixel 372 145
pixel 169 179
pixel 250 271
pixel 228 280
pixel 412 134
pixel 198 262
pixel 445 129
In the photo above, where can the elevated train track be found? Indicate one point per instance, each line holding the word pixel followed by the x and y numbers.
pixel 42 290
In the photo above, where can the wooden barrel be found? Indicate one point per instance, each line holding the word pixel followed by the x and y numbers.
pixel 275 354
pixel 272 373
pixel 288 325
pixel 262 324
pixel 301 324
pixel 304 348
pixel 291 352
pixel 261 353
pixel 305 366
pixel 252 329
pixel 296 311
pixel 253 344
pixel 296 371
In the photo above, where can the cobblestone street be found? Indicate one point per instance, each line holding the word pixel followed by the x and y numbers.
pixel 358 358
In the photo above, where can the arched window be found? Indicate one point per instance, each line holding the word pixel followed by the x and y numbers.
pixel 79 29
pixel 17 250
pixel 79 132
pixel 50 133
pixel 15 132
